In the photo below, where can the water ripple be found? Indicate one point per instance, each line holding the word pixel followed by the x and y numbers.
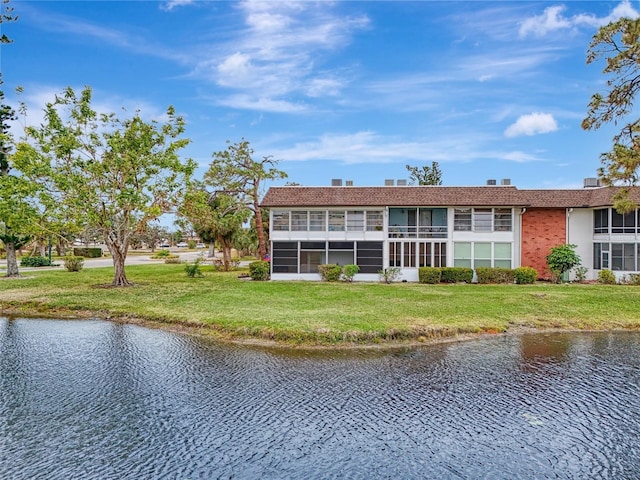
pixel 96 400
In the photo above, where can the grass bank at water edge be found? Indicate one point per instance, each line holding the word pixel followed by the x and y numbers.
pixel 319 313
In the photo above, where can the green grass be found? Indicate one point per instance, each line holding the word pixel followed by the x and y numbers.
pixel 320 313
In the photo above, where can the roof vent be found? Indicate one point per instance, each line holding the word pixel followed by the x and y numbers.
pixel 349 183
pixel 591 182
pixel 336 182
pixel 401 182
pixel 491 181
pixel 388 182
pixel 505 181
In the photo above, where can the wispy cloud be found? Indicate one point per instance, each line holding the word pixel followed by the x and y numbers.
pixel 276 57
pixel 171 4
pixel 87 31
pixel 532 124
pixel 554 19
pixel 367 147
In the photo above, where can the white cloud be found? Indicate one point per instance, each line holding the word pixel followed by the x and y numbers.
pixel 517 157
pixel 276 57
pixel 532 124
pixel 171 4
pixel 367 147
pixel 552 19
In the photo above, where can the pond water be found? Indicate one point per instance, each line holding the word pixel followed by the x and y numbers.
pixel 98 400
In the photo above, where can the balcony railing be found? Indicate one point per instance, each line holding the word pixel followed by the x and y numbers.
pixel 408 231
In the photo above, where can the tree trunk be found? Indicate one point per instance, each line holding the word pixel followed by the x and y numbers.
pixel 226 257
pixel 262 248
pixel 12 261
pixel 212 250
pixel 119 255
pixel 42 248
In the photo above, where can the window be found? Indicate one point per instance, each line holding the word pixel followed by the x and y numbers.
pixel 502 255
pixel 623 223
pixel 502 220
pixel 432 254
pixel 374 221
pixel 395 254
pixel 409 254
pixel 623 256
pixel 482 219
pixel 601 220
pixel 462 219
pixel 600 256
pixel 355 221
pixel 284 257
pixel 462 254
pixel 299 221
pixel 481 254
pixel 280 220
pixel 336 221
pixel 341 253
pixel 369 256
pixel 317 221
pixel 312 254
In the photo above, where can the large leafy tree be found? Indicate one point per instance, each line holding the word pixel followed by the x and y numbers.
pixel 235 172
pixel 109 173
pixel 618 43
pixel 215 217
pixel 425 175
pixel 17 210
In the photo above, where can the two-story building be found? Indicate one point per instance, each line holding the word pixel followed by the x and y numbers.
pixel 414 226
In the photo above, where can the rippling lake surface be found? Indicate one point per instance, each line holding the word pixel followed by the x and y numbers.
pixel 98 400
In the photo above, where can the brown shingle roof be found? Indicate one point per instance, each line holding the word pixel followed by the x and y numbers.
pixel 439 196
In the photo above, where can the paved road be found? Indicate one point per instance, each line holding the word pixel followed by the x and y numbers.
pixel 188 256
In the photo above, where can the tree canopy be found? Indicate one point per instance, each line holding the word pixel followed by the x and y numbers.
pixel 618 43
pixel 110 173
pixel 235 172
pixel 425 175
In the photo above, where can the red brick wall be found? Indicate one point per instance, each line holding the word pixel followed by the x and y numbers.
pixel 542 228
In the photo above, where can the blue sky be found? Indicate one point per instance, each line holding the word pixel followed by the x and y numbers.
pixel 353 90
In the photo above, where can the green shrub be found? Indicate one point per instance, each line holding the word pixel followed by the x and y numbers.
pixel 330 272
pixel 456 274
pixel 349 271
pixel 259 270
pixel 73 263
pixel 35 262
pixel 581 274
pixel 525 275
pixel 429 275
pixel 191 244
pixel 494 275
pixel 561 259
pixel 172 259
pixel 389 275
pixel 162 254
pixel 634 279
pixel 606 277
pixel 87 252
pixel 193 269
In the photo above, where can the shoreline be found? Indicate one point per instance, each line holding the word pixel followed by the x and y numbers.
pixel 220 335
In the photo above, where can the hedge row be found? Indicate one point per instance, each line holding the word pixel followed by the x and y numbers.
pixel 445 275
pixel 87 252
pixel 519 275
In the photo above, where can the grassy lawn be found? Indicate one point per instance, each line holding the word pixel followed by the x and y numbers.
pixel 319 313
